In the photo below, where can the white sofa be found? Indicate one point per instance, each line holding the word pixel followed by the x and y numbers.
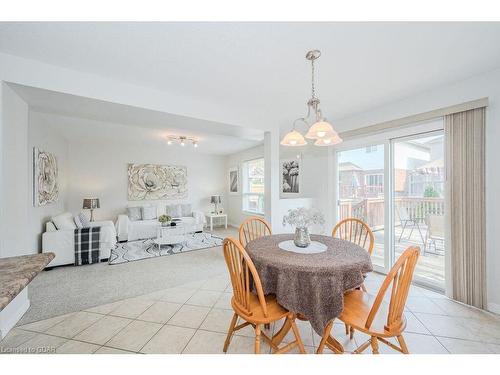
pixel 62 242
pixel 131 230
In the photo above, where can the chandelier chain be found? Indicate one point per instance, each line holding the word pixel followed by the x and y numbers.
pixel 320 130
pixel 313 89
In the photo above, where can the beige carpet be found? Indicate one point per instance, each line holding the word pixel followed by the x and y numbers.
pixel 67 289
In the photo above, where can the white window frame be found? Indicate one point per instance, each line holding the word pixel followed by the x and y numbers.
pixel 387 139
pixel 378 175
pixel 244 189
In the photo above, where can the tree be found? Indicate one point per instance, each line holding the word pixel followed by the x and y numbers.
pixel 430 192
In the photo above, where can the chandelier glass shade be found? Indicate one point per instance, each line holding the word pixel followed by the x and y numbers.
pixel 331 141
pixel 293 138
pixel 320 130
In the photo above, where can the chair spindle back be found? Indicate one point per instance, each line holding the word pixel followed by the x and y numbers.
pixel 242 272
pixel 253 228
pixel 400 277
pixel 355 231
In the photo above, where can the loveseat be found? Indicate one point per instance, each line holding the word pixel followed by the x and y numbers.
pixel 61 240
pixel 141 222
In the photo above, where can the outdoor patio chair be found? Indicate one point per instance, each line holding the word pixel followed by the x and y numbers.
pixel 405 218
pixel 435 232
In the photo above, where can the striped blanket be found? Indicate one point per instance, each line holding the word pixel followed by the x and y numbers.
pixel 87 245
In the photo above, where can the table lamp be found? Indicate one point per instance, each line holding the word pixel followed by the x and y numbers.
pixel 216 199
pixel 91 204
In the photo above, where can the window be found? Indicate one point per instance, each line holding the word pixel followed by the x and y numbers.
pixel 374 180
pixel 370 149
pixel 253 186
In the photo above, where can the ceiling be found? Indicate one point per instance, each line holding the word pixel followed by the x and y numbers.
pixel 83 119
pixel 258 69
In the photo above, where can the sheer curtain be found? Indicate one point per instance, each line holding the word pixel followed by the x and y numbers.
pixel 465 164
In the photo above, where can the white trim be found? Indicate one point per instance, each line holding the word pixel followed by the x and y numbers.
pixel 13 312
pixel 387 140
pixel 410 120
pixel 389 248
pixel 365 140
pixel 244 186
pixel 250 213
pixel 494 308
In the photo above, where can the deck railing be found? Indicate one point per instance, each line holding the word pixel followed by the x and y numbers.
pixel 371 210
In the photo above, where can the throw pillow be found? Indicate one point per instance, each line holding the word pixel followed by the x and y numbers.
pixel 149 213
pixel 77 221
pixel 134 213
pixel 186 210
pixel 174 210
pixel 64 221
pixel 84 220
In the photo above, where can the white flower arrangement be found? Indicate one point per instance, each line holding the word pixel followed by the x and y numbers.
pixel 303 217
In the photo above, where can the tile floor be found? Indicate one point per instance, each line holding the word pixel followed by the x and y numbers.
pixel 193 318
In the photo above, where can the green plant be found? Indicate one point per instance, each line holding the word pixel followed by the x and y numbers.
pixel 164 219
pixel 430 192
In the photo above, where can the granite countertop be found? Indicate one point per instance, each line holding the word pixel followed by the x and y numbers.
pixel 17 272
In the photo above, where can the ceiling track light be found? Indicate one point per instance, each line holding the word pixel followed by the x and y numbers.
pixel 182 140
pixel 320 130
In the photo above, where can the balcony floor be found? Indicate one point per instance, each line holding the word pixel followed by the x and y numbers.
pixel 430 266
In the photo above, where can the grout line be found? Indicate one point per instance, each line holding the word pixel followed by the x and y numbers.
pixel 131 320
pixel 25 329
pixel 210 309
pixel 195 329
pixel 153 335
pixel 432 334
pixel 110 347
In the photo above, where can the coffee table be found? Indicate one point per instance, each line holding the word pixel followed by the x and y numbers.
pixel 171 235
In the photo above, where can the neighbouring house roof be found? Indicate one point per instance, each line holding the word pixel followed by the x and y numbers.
pixel 348 166
pixel 438 163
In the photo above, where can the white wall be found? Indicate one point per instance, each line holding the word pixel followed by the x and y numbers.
pixel 314 182
pixel 29 72
pixel 42 135
pixel 99 169
pixel 15 175
pixel 484 85
pixel 313 185
pixel 85 170
pixel 37 74
pixel 233 202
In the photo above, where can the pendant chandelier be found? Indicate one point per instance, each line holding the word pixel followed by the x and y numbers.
pixel 320 130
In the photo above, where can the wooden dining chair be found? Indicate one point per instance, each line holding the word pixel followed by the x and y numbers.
pixel 254 308
pixel 375 317
pixel 253 228
pixel 355 231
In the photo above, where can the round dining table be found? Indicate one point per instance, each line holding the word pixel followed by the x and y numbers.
pixel 310 281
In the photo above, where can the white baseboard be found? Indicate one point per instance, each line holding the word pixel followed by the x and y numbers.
pixel 14 311
pixel 494 308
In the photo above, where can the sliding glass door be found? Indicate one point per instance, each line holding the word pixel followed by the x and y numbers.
pixel 397 187
pixel 418 202
pixel 361 192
